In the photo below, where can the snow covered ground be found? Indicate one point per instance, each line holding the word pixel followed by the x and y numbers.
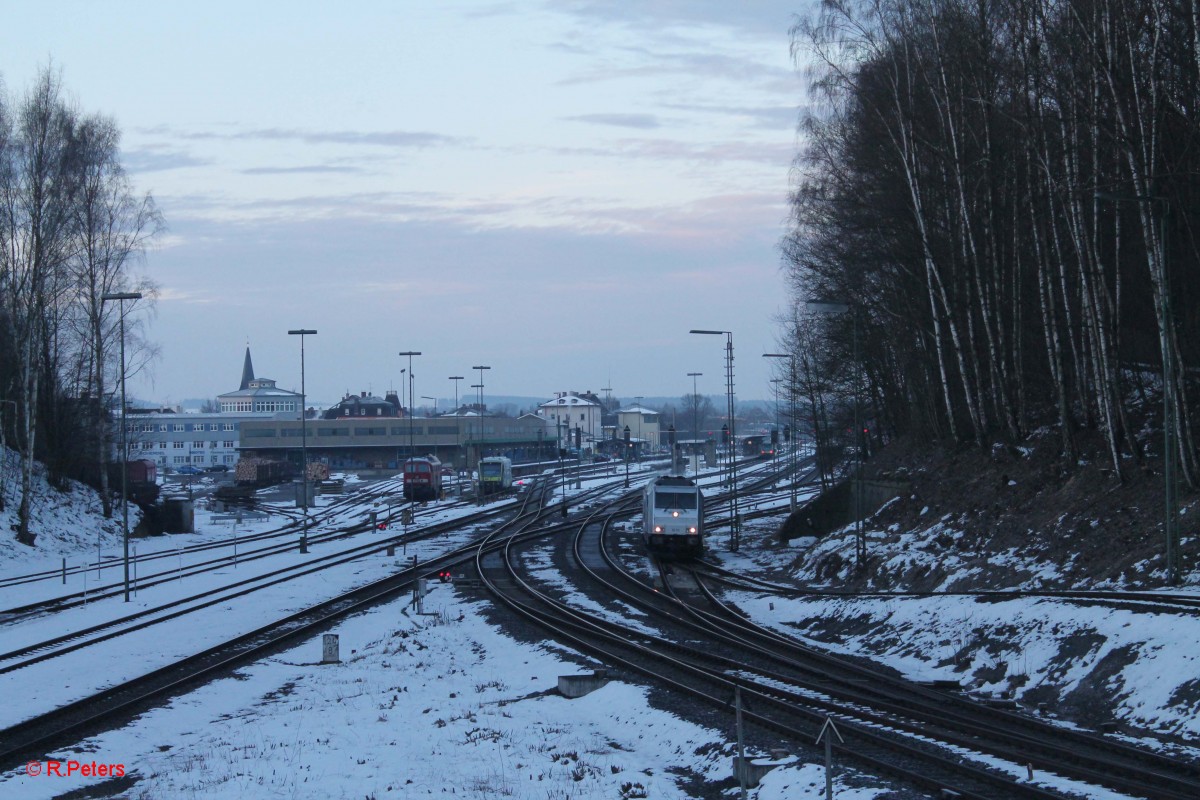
pixel 445 703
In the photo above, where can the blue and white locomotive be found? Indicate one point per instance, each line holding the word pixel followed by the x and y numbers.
pixel 673 517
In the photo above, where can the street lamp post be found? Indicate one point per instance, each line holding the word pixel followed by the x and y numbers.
pixel 479 386
pixel 860 541
pixel 457 418
pixel 302 332
pixel 1170 453
pixel 434 399
pixel 736 528
pixel 411 447
pixel 121 297
pixel 794 444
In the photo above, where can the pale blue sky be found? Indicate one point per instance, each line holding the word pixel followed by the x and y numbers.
pixel 559 190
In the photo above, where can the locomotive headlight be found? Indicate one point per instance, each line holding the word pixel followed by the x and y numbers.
pixel 658 528
pixel 674 513
pixel 692 529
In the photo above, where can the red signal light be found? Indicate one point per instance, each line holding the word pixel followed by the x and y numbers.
pixel 444 576
pixel 382 526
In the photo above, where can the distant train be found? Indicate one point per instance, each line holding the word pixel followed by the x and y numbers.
pixel 673 517
pixel 495 475
pixel 422 479
pixel 260 472
pixel 754 446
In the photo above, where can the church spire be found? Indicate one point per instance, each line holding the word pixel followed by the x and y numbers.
pixel 247 371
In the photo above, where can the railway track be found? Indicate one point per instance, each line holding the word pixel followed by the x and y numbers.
pixel 37 652
pixel 34 737
pixel 277 541
pixel 897 727
pixel 1146 601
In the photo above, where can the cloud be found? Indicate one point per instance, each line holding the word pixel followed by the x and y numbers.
pixel 753 17
pixel 373 138
pixel 153 159
pixel 672 149
pixel 310 169
pixel 619 120
pixel 781 117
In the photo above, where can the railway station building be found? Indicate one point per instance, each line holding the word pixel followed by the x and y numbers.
pixel 571 410
pixel 383 443
pixel 174 439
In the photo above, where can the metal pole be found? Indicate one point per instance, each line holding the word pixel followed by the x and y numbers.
pixel 121 297
pixel 638 445
pixel 859 536
pixel 479 446
pixel 695 406
pixel 302 332
pixel 736 527
pixel 303 447
pixel 411 448
pixel 735 538
pixel 794 444
pixel 626 456
pixel 1170 453
pixel 737 702
pixel 457 418
pixel 778 432
pixel 828 768
pixel 124 455
pixel 562 472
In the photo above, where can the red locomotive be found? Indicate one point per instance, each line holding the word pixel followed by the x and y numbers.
pixel 422 479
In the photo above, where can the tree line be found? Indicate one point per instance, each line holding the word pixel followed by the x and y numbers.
pixel 1002 197
pixel 72 229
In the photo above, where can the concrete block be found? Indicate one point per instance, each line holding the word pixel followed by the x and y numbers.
pixel 573 686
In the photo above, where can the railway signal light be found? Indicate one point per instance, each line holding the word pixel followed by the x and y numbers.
pixel 444 576
pixel 787 433
pixel 774 437
pixel 382 526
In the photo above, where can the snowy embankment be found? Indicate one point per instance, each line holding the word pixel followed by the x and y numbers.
pixel 1095 664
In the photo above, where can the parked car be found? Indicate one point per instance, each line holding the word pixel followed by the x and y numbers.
pixel 217 468
pixel 187 469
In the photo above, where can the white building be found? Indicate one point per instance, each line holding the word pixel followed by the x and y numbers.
pixel 259 395
pixel 571 410
pixel 176 439
pixel 643 426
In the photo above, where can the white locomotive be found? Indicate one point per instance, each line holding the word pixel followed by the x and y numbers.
pixel 673 517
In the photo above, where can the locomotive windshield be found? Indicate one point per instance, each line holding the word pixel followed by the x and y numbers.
pixel 490 470
pixel 680 500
